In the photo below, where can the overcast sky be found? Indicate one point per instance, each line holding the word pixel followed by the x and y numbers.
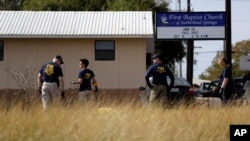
pixel 240 10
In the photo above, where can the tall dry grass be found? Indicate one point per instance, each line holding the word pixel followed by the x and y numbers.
pixel 118 122
pixel 120 119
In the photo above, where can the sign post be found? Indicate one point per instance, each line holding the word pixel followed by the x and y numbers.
pixel 190 26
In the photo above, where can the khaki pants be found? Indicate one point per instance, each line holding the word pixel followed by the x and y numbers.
pixel 49 93
pixel 158 94
pixel 84 96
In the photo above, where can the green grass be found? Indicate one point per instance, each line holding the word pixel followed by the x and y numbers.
pixel 118 122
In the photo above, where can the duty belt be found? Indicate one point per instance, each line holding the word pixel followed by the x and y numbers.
pixel 86 89
pixel 49 81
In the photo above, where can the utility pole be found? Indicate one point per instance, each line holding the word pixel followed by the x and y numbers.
pixel 180 65
pixel 190 53
pixel 179 1
pixel 228 41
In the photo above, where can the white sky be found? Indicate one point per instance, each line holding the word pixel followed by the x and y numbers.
pixel 240 10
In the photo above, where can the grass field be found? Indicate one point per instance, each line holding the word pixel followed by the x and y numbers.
pixel 112 121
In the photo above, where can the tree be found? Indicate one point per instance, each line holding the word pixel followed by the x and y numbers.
pixel 51 5
pixel 131 5
pixel 64 5
pixel 240 49
pixel 214 70
pixel 11 4
pixel 92 5
pixel 172 50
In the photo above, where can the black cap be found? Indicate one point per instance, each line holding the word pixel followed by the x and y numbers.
pixel 156 56
pixel 59 58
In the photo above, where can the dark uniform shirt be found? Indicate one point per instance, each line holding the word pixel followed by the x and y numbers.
pixel 50 72
pixel 86 75
pixel 227 73
pixel 159 72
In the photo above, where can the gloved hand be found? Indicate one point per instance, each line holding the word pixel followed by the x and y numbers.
pixel 168 90
pixel 215 89
pixel 62 94
pixel 40 90
pixel 151 87
pixel 221 91
pixel 95 86
pixel 96 89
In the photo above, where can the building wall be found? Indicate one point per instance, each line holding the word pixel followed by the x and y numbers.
pixel 24 57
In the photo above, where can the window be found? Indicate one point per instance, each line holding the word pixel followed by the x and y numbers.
pixel 148 59
pixel 1 50
pixel 105 50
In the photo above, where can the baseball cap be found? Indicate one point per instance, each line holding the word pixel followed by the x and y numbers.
pixel 59 58
pixel 156 56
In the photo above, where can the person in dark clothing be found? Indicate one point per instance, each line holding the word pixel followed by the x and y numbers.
pixel 159 85
pixel 50 81
pixel 226 84
pixel 86 78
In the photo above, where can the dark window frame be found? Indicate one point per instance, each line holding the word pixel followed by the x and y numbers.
pixel 1 50
pixel 149 59
pixel 104 54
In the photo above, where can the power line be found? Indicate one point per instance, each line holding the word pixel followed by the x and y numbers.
pixel 213 44
pixel 240 20
pixel 207 52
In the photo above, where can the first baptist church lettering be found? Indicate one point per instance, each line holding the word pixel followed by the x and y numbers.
pixel 195 17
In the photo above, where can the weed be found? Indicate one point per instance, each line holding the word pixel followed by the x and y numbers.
pixel 26 92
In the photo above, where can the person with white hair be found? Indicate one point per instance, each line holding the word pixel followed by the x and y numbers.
pixel 50 81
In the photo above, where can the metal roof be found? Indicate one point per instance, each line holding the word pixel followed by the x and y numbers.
pixel 73 24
